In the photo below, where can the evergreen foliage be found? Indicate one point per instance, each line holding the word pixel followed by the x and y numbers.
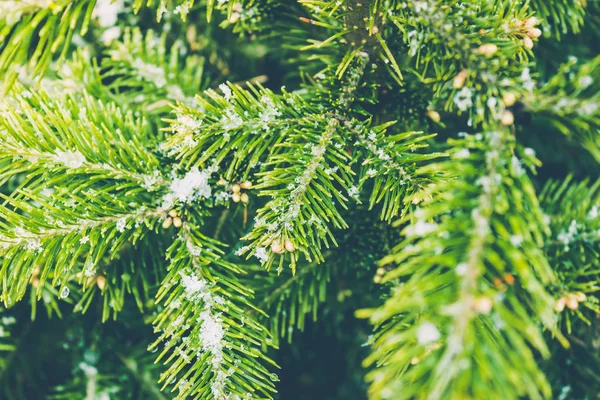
pixel 193 189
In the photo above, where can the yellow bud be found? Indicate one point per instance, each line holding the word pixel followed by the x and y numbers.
pixel 177 222
pixel 507 118
pixel 244 197
pixel 235 188
pixel 434 115
pixel 173 213
pixel 101 282
pixel 534 33
pixel 246 185
pixel 289 246
pixel 276 247
pixel 380 271
pixel 167 223
pixel 459 80
pixel 560 304
pixel 528 43
pixel 222 182
pixel 414 361
pixel 487 49
pixel 377 278
pixel 236 197
pixel 509 99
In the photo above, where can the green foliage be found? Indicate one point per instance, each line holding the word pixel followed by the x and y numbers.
pixel 462 299
pixel 251 120
pixel 67 213
pixel 128 168
pixel 560 17
pixel 7 345
pixel 205 316
pixel 140 72
pixel 570 103
pixel 31 32
pixel 574 247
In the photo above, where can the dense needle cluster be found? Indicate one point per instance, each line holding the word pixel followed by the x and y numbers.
pixel 187 183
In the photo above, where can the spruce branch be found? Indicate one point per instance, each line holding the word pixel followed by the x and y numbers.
pixel 31 243
pixel 134 272
pixel 205 316
pixel 236 128
pixel 475 75
pixel 560 17
pixel 7 343
pixel 141 71
pixel 75 132
pixel 573 248
pixel 431 347
pixel 300 181
pixel 570 102
pixel 85 191
pixel 391 162
pixel 178 7
pixel 32 32
pixel 356 25
pixel 300 178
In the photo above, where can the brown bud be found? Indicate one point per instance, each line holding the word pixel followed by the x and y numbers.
pixel 177 222
pixel 167 223
pixel 101 282
pixel 459 80
pixel 246 185
pixel 560 304
pixel 508 278
pixel 534 33
pixel 434 115
pixel 289 246
pixel 276 247
pixel 572 303
pixel 487 49
pixel 507 118
pixel 509 99
pixel 531 22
